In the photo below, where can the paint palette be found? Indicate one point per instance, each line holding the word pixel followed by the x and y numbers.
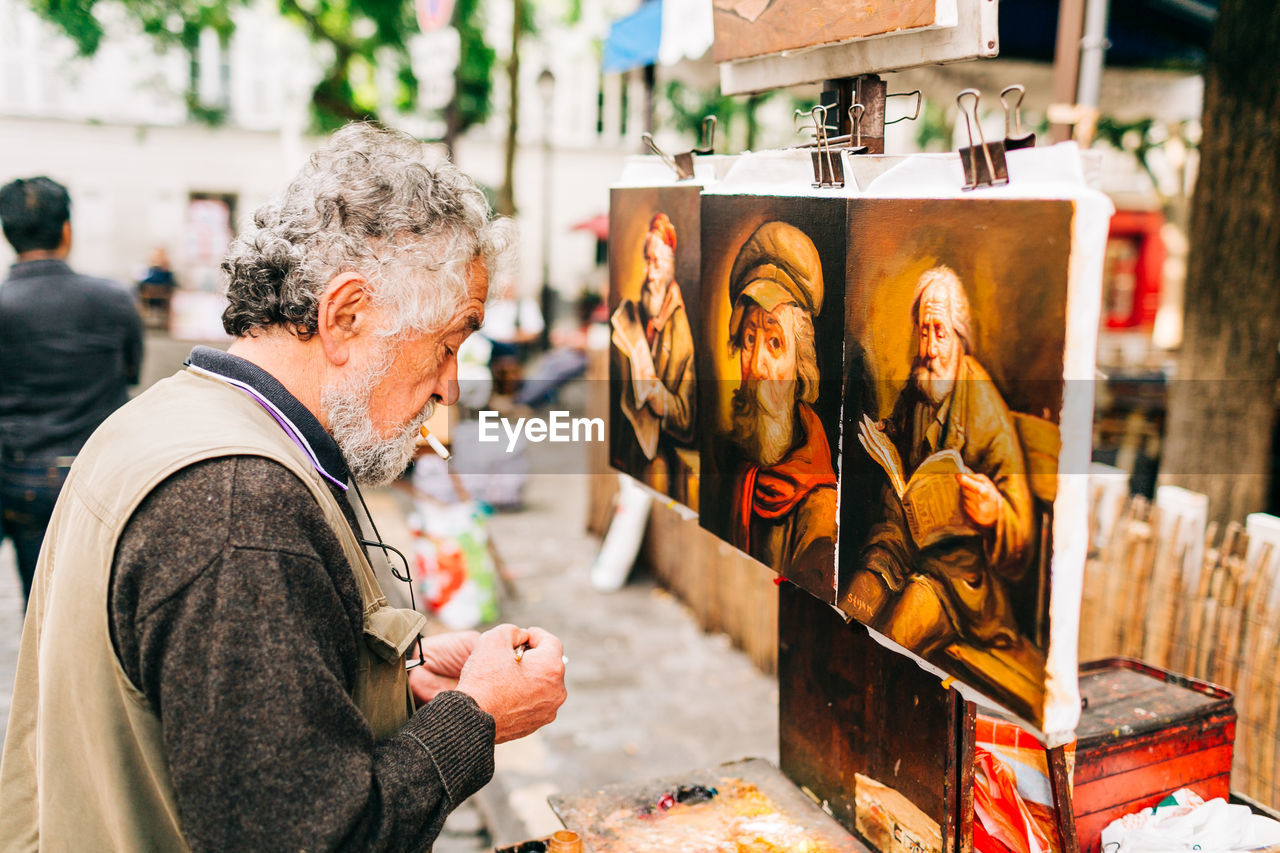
pixel 743 807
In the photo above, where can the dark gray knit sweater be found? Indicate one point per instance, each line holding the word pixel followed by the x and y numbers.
pixel 235 612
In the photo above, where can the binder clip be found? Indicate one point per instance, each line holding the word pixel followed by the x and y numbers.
pixel 984 164
pixel 681 164
pixel 707 139
pixel 915 114
pixel 1014 136
pixel 854 144
pixel 828 170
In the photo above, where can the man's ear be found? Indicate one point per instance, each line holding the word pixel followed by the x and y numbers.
pixel 342 315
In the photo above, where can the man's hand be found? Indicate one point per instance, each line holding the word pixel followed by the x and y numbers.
pixel 657 401
pixel 981 498
pixel 522 696
pixel 443 657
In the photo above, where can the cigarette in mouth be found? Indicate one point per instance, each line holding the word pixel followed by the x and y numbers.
pixel 433 441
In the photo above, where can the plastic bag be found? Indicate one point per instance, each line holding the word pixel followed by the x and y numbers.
pixel 1184 821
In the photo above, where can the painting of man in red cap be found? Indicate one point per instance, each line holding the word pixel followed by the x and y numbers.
pixel 653 342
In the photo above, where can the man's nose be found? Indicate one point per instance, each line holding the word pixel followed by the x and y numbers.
pixel 446 387
pixel 758 364
pixel 931 344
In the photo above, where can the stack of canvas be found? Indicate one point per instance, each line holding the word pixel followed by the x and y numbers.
pixel 869 390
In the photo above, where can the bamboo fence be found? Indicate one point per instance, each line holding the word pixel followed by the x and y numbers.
pixel 1217 619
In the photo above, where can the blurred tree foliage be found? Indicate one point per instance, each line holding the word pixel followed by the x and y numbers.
pixel 689 107
pixel 473 79
pixel 359 34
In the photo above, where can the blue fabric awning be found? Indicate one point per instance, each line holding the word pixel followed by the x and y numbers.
pixel 633 41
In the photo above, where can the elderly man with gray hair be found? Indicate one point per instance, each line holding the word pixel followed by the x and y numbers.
pixel 925 597
pixel 208 662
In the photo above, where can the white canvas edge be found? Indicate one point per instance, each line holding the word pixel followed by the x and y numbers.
pixel 786 172
pixel 1089 227
pixel 648 170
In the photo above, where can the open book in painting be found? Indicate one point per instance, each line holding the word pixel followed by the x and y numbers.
pixel 930 497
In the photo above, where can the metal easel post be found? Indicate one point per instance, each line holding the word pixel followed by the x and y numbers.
pixel 870 90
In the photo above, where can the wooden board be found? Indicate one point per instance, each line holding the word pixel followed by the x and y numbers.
pixel 745 28
pixel 849 706
pixel 975 35
pixel 625 818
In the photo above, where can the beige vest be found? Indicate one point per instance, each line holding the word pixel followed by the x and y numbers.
pixel 84 766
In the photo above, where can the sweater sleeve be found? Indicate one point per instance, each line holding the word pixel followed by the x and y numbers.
pixel 236 615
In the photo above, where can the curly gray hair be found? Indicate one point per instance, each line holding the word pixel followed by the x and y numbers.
pixel 367 203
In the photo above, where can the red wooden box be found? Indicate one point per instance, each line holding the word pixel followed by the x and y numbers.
pixel 1144 733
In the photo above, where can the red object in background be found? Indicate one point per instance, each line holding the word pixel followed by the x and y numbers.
pixel 1134 266
pixel 597 225
pixel 1145 733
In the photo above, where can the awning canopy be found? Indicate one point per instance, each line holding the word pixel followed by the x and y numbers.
pixel 1142 33
pixel 634 40
pixel 597 225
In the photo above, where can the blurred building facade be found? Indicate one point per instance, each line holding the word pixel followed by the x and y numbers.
pixel 116 129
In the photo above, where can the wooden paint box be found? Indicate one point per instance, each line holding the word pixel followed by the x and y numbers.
pixel 1144 733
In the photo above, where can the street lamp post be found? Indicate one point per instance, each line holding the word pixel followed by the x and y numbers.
pixel 546 91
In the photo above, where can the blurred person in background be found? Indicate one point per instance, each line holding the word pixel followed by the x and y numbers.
pixel 208 661
pixel 71 346
pixel 156 287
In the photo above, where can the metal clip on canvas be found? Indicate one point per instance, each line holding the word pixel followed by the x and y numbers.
pixel 1014 136
pixel 828 169
pixel 707 139
pixel 984 163
pixel 915 112
pixel 681 164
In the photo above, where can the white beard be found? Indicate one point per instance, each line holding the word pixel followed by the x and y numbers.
pixel 933 381
pixel 934 388
pixel 652 298
pixel 764 434
pixel 373 460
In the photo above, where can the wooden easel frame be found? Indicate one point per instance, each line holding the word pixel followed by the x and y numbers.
pixel 848 705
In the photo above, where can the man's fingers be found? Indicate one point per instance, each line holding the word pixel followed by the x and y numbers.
pixel 503 636
pixel 538 636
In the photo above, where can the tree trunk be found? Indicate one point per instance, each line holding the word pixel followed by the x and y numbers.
pixel 1222 404
pixel 507 192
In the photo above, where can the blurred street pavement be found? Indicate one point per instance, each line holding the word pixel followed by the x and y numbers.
pixel 650 694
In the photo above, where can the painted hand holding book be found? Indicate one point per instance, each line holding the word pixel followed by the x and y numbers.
pixel 931 497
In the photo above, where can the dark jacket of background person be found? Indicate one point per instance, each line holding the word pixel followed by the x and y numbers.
pixel 71 347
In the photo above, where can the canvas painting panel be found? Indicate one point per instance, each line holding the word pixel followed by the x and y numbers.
pixel 654 268
pixel 745 28
pixel 769 360
pixel 955 345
